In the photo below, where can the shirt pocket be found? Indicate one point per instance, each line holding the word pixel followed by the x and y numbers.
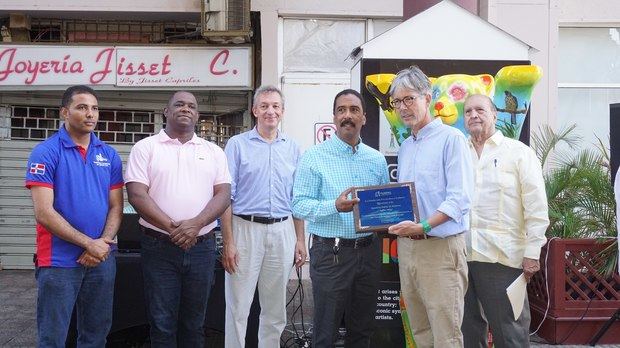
pixel 505 190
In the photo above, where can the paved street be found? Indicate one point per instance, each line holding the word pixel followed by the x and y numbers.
pixel 17 310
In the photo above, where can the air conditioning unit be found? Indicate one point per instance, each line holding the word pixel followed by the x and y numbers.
pixel 226 20
pixel 18 30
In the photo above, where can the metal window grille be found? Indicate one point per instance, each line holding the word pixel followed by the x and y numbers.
pixel 118 126
pixel 116 31
pixel 216 131
pixel 114 126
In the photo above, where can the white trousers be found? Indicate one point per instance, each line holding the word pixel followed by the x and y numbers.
pixel 266 255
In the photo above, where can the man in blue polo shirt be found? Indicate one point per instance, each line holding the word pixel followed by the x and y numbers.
pixel 76 184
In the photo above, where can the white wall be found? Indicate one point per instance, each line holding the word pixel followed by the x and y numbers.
pixel 535 23
pixel 309 96
pixel 589 12
pixel 309 101
pixel 587 104
pixel 272 9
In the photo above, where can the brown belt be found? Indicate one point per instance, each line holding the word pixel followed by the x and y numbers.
pixel 421 237
pixel 426 236
pixel 166 237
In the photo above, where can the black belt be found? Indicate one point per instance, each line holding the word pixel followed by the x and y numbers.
pixel 356 243
pixel 261 219
pixel 166 237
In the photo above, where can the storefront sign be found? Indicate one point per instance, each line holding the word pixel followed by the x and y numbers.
pixel 122 66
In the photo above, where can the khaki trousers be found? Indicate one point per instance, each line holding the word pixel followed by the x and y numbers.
pixel 433 281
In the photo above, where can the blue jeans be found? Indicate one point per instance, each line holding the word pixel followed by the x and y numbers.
pixel 176 286
pixel 60 289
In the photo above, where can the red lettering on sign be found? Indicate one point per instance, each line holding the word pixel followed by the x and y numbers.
pixel 224 54
pixel 140 68
pixel 165 65
pixel 6 71
pixel 45 67
pixel 128 71
pixel 34 68
pixel 100 75
pixel 153 70
pixel 100 65
pixel 76 67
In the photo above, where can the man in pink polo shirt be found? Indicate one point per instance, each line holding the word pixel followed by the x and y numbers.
pixel 179 184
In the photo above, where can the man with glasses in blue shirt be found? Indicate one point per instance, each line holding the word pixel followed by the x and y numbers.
pixel 261 243
pixel 344 266
pixel 431 252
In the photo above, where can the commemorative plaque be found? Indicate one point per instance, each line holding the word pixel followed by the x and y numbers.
pixel 383 206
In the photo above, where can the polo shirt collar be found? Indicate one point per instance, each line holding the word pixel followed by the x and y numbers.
pixel 428 129
pixel 343 146
pixel 253 134
pixel 164 138
pixel 66 140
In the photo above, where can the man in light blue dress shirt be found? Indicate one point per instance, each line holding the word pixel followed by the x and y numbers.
pixel 432 252
pixel 344 266
pixel 261 241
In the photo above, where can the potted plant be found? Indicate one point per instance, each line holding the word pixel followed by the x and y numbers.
pixel 577 290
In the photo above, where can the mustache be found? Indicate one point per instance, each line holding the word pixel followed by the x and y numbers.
pixel 347 122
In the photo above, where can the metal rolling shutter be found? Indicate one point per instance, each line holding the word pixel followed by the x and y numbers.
pixel 17 234
pixel 17 223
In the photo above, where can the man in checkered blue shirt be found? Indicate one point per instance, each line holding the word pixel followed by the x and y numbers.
pixel 344 265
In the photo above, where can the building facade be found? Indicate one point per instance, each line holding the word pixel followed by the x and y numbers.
pixel 300 46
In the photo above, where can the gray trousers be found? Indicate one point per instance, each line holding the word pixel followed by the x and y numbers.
pixel 486 304
pixel 347 286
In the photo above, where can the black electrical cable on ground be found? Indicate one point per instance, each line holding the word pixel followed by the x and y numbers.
pixel 572 330
pixel 297 338
pixel 286 343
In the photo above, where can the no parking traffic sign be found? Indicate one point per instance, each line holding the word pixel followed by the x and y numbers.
pixel 323 131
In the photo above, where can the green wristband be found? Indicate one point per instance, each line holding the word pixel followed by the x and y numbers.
pixel 426 227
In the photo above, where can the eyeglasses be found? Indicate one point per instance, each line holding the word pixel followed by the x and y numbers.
pixel 408 101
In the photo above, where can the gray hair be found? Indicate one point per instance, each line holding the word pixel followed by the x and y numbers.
pixel 485 97
pixel 267 89
pixel 411 78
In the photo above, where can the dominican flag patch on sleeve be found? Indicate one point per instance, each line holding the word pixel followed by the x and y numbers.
pixel 37 168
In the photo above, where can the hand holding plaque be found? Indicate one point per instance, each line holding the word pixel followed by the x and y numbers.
pixel 380 207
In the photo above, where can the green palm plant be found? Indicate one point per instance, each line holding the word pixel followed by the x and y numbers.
pixel 579 192
pixel 508 129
